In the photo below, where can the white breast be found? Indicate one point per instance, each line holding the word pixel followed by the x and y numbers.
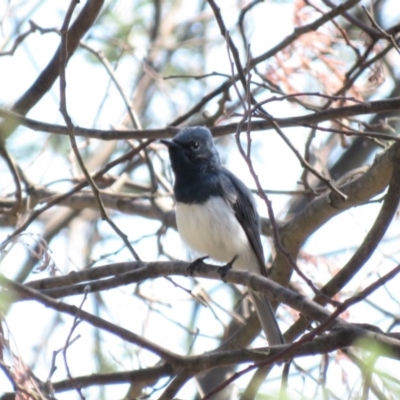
pixel 212 229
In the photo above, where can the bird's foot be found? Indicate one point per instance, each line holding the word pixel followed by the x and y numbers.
pixel 225 268
pixel 193 265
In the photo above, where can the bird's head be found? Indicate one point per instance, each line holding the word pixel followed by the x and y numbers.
pixel 192 150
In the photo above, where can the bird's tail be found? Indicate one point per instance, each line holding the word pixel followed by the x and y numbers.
pixel 267 318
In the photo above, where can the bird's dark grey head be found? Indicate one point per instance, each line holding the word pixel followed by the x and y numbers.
pixel 192 152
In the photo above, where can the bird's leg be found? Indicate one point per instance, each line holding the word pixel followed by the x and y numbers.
pixel 225 268
pixel 192 266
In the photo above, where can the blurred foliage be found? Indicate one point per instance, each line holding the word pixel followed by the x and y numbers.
pixel 167 57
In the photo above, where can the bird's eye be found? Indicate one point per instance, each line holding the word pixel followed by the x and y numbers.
pixel 195 145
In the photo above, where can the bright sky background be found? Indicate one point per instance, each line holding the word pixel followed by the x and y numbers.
pixel 30 323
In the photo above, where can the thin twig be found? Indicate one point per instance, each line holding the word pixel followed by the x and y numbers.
pixel 71 133
pixel 306 164
pixel 68 343
pixel 59 198
pixel 261 192
pixel 384 33
pixel 15 175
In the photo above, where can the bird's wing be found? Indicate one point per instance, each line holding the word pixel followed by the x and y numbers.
pixel 244 207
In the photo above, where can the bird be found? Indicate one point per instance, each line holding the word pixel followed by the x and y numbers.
pixel 216 214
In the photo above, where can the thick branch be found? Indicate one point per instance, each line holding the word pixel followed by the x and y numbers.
pixel 318 212
pixel 372 107
pixel 368 246
pixel 142 375
pixel 277 293
pixel 338 339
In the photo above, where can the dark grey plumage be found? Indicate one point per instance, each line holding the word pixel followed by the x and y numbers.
pixel 216 213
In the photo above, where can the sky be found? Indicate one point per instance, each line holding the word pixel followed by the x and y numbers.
pixel 86 89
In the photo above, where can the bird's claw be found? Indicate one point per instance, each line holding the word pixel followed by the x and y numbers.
pixel 225 268
pixel 194 264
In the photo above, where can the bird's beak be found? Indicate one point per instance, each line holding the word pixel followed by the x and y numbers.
pixel 169 143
